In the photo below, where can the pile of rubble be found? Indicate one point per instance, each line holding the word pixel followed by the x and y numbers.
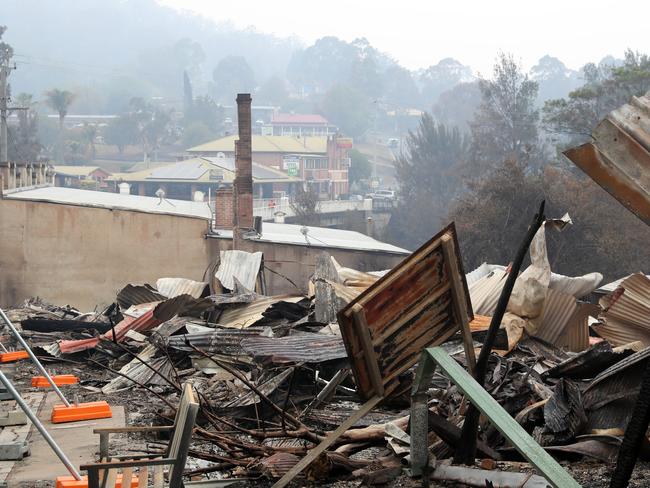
pixel 275 375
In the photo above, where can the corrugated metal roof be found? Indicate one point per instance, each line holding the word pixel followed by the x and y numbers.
pixel 310 119
pixel 246 315
pixel 299 347
pixel 282 144
pixel 173 287
pixel 113 201
pixel 76 170
pixel 626 313
pixel 242 265
pixel 618 159
pixel 483 270
pixel 184 170
pixel 154 316
pixel 323 237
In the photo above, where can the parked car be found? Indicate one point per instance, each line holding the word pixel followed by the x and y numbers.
pixel 382 195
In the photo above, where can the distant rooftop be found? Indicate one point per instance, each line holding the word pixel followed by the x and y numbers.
pixel 117 201
pixel 274 144
pixel 201 170
pixel 69 170
pixel 319 237
pixel 299 119
pixel 290 234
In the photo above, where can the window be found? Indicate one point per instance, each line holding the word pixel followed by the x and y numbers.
pixel 316 163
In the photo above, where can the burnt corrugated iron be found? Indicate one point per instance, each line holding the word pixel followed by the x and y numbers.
pixel 618 159
pixel 246 315
pixel 416 305
pixel 299 347
pixel 222 341
pixel 609 399
pixel 136 294
pixel 155 316
pixel 626 312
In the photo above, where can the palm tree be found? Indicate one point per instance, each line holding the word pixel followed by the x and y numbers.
pixel 60 101
pixel 90 134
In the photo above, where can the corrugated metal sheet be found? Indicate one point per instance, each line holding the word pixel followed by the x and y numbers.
pixel 609 399
pixel 558 310
pixel 246 315
pixel 136 294
pixel 173 287
pixel 619 157
pixel 242 265
pixel 155 316
pixel 626 312
pixel 575 336
pixel 223 341
pixel 480 272
pixel 484 292
pixel 300 347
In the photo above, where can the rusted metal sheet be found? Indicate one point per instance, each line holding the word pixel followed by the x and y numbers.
pixel 156 315
pixel 300 347
pixel 416 305
pixel 619 157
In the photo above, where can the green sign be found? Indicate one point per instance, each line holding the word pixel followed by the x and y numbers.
pixel 292 170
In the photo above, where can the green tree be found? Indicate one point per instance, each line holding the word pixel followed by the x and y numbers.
pixel 207 112
pixel 606 88
pixel 360 168
pixel 153 125
pixel 505 124
pixel 60 101
pixel 121 132
pixel 429 173
pixel 273 92
pixel 348 108
pixel 6 51
pixel 188 97
pixel 232 75
pixel 500 206
pixel 23 141
pixel 89 134
pixel 196 133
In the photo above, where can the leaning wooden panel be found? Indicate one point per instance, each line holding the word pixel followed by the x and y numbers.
pixel 420 303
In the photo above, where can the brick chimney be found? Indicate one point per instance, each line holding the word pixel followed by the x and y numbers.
pixel 224 198
pixel 243 185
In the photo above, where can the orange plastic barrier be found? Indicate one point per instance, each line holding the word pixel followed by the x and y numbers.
pixel 8 357
pixel 70 482
pixel 59 380
pixel 81 411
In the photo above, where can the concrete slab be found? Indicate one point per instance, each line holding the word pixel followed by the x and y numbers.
pixel 76 439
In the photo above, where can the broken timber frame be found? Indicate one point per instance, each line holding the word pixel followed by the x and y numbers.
pixel 488 406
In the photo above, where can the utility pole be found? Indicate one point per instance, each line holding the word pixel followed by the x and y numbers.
pixel 4 74
pixel 5 69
